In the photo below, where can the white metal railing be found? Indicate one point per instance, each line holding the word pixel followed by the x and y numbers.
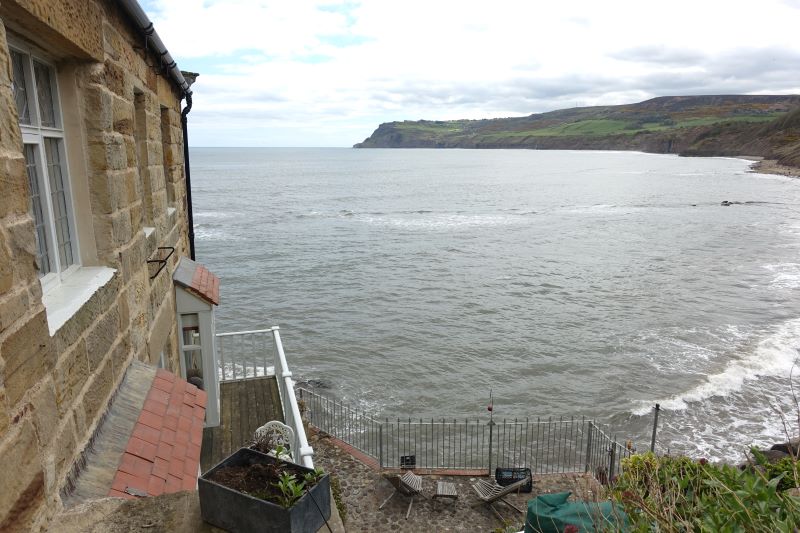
pixel 245 354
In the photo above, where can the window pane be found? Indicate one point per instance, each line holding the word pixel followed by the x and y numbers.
pixel 36 210
pixel 20 87
pixel 59 199
pixel 44 92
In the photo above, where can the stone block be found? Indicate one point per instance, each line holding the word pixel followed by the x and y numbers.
pixel 45 413
pixel 132 185
pixel 124 311
pixel 101 337
pixel 117 190
pixel 12 307
pixel 22 245
pixel 120 356
pixel 79 417
pixel 137 217
pixel 99 183
pixel 71 374
pixel 9 129
pixel 131 153
pixel 4 413
pixel 104 240
pixel 121 227
pixel 115 78
pixel 64 449
pixel 28 356
pixel 109 154
pixel 112 42
pixel 98 109
pixel 14 199
pixel 171 155
pixel 96 396
pixel 117 153
pixel 6 266
pixel 123 116
pixel 5 61
pixel 21 478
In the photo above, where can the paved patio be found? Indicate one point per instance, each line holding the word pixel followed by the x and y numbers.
pixel 363 489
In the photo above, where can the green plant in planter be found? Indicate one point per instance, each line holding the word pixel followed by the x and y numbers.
pixel 291 489
pixel 312 477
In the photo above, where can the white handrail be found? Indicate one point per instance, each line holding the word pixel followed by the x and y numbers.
pixel 255 365
pixel 291 412
pixel 232 333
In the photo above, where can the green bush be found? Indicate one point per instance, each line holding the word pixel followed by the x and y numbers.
pixel 786 468
pixel 679 494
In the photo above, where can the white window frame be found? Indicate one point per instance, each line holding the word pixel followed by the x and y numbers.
pixel 36 135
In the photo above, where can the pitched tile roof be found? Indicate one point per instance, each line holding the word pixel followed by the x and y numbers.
pixel 197 279
pixel 163 452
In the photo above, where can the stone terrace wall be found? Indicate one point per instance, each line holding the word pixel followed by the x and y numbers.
pixel 122 129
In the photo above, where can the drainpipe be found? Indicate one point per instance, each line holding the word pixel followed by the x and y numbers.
pixel 190 216
pixel 137 14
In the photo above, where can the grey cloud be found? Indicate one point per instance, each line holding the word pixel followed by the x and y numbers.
pixel 660 55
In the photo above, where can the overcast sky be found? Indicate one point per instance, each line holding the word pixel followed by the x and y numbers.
pixel 326 73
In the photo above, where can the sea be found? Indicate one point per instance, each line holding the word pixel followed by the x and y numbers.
pixel 411 283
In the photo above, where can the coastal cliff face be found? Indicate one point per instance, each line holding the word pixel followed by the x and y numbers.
pixel 730 125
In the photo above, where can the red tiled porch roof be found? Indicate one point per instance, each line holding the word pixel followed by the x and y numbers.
pixel 197 279
pixel 163 452
pixel 206 284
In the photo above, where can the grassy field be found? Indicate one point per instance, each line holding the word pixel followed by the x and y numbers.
pixel 590 127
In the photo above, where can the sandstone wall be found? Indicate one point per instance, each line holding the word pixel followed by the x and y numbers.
pixel 124 141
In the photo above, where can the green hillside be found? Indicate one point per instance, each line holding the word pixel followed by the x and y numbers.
pixel 693 125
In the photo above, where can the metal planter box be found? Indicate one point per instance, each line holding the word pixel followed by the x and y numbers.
pixel 239 512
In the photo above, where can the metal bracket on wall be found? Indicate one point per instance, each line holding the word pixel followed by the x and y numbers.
pixel 162 261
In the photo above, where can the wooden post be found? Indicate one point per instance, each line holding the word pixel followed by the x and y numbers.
pixel 655 428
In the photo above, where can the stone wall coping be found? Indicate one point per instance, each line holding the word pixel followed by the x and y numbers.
pixel 65 300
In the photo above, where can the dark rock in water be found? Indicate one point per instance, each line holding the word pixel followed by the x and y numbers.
pixel 315 383
pixel 773 456
pixel 790 448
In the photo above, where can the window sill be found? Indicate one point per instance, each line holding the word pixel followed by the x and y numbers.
pixel 62 302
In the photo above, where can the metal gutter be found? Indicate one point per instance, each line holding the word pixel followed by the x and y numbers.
pixel 134 10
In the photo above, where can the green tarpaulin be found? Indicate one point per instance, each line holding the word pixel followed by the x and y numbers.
pixel 551 513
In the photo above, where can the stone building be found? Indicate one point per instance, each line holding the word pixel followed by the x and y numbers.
pixel 93 187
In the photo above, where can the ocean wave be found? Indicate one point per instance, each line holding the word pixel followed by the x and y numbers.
pixel 773 356
pixel 438 222
pixel 211 214
pixel 209 233
pixel 786 275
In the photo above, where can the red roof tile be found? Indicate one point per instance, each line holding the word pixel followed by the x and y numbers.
pixel 205 284
pixel 163 451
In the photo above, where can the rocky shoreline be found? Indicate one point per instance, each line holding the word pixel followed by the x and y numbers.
pixel 771 166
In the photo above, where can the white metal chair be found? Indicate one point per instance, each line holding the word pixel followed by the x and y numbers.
pixel 279 434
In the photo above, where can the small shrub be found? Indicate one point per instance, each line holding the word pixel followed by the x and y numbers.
pixel 786 469
pixel 679 494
